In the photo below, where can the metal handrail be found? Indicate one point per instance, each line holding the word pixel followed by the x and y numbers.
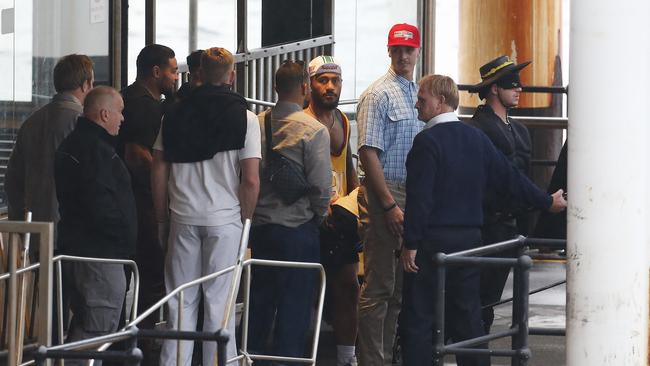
pixel 242 265
pixel 179 290
pixel 284 48
pixel 557 123
pixel 520 330
pixel 528 89
pixel 259 53
pixel 319 311
pixel 58 271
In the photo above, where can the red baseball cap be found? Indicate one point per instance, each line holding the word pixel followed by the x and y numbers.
pixel 404 35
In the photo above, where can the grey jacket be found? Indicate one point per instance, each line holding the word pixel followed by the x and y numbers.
pixel 301 138
pixel 29 182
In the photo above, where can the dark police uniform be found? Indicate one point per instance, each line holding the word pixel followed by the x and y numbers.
pixel 450 170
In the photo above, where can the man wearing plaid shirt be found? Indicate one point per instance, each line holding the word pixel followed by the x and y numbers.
pixel 387 122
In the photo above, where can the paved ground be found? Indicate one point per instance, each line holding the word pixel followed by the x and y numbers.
pixel 547 309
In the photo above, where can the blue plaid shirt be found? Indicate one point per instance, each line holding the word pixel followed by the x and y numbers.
pixel 387 120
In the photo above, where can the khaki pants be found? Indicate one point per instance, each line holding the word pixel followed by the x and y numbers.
pixel 381 294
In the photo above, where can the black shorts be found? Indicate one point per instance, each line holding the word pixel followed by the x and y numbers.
pixel 336 254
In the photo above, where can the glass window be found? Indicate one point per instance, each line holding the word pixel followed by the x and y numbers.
pixel 35 34
pixel 361 30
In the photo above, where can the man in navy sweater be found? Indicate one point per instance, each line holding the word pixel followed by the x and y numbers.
pixel 450 169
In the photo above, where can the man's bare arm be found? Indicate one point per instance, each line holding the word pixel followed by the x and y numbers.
pixel 139 160
pixel 375 181
pixel 249 187
pixel 159 179
pixel 350 172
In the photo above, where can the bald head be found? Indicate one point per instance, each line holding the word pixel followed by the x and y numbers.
pixel 104 105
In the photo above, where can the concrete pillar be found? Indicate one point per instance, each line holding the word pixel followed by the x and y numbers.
pixel 608 217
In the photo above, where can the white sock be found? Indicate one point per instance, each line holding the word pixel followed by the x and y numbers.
pixel 344 354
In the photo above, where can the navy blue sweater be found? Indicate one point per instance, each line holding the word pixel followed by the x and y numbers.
pixel 450 169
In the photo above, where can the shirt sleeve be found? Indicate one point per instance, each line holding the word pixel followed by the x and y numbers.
pixel 421 169
pixel 506 179
pixel 142 118
pixel 318 169
pixel 253 144
pixel 158 144
pixel 371 120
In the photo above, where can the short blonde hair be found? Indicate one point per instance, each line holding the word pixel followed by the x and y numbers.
pixel 216 63
pixel 441 85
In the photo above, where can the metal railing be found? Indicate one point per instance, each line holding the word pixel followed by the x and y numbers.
pixel 58 274
pixel 519 330
pixel 45 232
pixel 256 68
pixel 319 311
pixel 259 66
pixel 130 332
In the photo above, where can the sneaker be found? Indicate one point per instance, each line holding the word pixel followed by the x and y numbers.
pixel 351 362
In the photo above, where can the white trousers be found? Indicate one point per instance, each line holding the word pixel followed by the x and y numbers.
pixel 193 252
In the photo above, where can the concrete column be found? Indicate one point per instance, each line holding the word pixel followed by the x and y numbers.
pixel 609 217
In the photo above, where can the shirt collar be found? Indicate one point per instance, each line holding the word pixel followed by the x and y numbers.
pixel 287 107
pixel 442 118
pixel 404 83
pixel 67 97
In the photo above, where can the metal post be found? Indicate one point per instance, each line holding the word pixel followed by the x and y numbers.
pixel 181 304
pixel 608 214
pixel 520 310
pixel 193 29
pixel 222 337
pixel 246 298
pixel 40 356
pixel 13 299
pixel 150 22
pixel 116 43
pixel 439 331
pixel 242 46
pixel 59 300
pixel 134 352
pixel 427 25
pixel 46 252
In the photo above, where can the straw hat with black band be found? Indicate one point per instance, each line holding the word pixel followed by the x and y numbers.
pixel 502 71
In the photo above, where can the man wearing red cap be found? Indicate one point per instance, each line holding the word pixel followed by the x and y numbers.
pixel 387 123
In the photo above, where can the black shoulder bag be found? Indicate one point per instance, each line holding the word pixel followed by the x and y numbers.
pixel 287 178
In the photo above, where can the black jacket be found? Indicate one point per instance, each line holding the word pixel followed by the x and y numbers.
pixel 98 217
pixel 209 120
pixel 514 142
pixel 551 225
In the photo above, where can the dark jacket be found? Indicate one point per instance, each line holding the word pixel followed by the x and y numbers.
pixel 450 169
pixel 30 174
pixel 211 119
pixel 98 217
pixel 142 116
pixel 511 140
pixel 552 225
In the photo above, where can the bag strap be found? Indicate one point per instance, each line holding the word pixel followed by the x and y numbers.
pixel 268 132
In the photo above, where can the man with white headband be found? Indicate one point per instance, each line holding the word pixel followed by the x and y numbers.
pixel 339 239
